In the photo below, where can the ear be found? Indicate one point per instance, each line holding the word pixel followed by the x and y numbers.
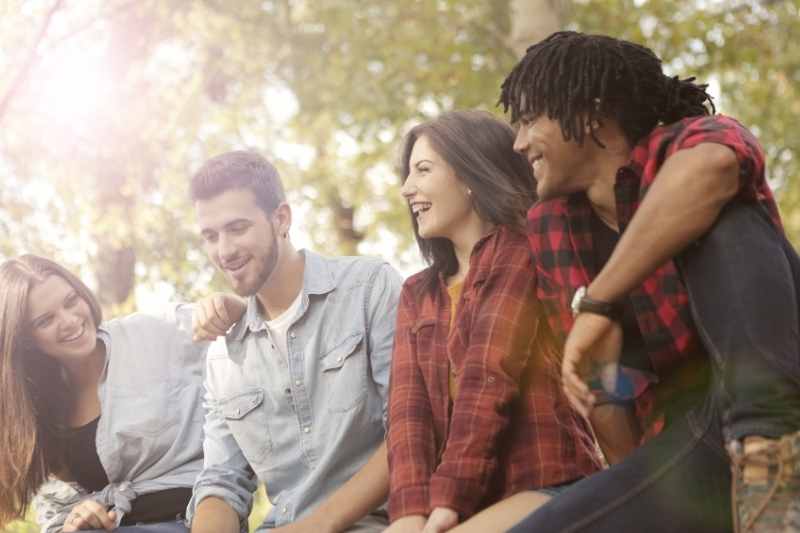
pixel 282 219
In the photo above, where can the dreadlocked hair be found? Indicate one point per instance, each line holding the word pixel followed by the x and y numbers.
pixel 578 79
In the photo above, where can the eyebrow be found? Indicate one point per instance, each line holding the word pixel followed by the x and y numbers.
pixel 69 295
pixel 227 225
pixel 418 163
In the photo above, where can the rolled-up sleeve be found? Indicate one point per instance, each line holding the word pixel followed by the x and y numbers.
pixel 411 446
pixel 502 329
pixel 381 307
pixel 226 473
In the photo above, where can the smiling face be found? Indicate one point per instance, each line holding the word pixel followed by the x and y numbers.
pixel 559 166
pixel 439 201
pixel 60 321
pixel 240 239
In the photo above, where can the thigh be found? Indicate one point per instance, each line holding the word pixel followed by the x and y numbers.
pixel 372 523
pixel 504 514
pixel 676 482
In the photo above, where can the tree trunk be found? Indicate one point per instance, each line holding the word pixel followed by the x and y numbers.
pixel 534 20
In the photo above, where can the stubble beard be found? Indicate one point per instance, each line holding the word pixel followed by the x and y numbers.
pixel 266 268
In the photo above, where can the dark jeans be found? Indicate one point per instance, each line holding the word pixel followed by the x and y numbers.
pixel 161 527
pixel 743 279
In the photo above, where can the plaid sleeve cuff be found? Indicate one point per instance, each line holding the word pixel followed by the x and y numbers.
pixel 408 501
pixel 460 495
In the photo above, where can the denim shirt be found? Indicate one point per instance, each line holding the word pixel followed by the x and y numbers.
pixel 149 435
pixel 302 425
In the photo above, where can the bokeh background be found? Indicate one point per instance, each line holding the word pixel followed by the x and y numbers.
pixel 107 107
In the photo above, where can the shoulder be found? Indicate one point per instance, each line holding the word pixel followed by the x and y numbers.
pixel 505 250
pixel 354 268
pixel 691 131
pixel 137 323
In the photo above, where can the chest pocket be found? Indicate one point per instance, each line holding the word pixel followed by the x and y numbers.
pixel 246 417
pixel 344 373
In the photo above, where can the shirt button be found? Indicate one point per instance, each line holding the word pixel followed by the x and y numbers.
pixel 297 382
pixel 338 359
pixel 285 509
pixel 306 429
pixel 238 412
pixel 292 335
pixel 490 379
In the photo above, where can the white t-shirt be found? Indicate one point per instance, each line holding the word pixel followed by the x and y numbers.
pixel 279 326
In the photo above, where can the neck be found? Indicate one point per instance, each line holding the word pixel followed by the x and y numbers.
pixel 601 192
pixel 284 284
pixel 84 375
pixel 463 243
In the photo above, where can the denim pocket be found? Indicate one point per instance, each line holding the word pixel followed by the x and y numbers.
pixel 247 420
pixel 344 373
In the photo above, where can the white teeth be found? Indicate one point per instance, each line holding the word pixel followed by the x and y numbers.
pixel 420 207
pixel 77 335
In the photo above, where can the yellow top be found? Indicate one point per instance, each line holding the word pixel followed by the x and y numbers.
pixel 454 291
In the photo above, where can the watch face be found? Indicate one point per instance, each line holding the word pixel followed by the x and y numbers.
pixel 576 300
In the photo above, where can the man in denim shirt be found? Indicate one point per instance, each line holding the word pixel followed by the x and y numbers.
pixel 296 397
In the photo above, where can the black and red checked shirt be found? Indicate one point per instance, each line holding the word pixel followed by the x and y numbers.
pixel 560 237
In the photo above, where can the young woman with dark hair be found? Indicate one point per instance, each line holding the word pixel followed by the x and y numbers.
pixel 475 410
pixel 102 421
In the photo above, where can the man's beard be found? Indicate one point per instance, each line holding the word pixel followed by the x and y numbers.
pixel 268 265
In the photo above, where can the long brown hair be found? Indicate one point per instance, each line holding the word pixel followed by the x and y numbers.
pixel 480 150
pixel 33 391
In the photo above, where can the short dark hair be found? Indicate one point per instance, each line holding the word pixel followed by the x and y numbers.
pixel 480 150
pixel 575 78
pixel 239 169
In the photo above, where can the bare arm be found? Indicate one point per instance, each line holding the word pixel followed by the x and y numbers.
pixel 684 201
pixel 686 197
pixel 214 515
pixel 362 493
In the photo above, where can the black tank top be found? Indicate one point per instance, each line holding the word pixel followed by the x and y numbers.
pixel 85 466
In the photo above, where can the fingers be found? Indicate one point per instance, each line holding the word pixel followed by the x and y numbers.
pixel 575 388
pixel 89 514
pixel 211 318
pixel 441 520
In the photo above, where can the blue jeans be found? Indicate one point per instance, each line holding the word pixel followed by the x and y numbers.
pixel 743 279
pixel 176 526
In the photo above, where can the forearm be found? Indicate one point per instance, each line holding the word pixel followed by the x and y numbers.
pixel 361 494
pixel 681 205
pixel 214 515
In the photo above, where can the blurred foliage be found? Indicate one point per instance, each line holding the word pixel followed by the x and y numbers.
pixel 126 98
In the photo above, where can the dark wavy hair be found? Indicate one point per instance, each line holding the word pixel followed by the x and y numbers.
pixel 480 150
pixel 239 169
pixel 33 393
pixel 576 78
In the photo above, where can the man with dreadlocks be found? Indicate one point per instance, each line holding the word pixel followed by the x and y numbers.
pixel 661 259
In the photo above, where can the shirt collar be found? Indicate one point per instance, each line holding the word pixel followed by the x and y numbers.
pixel 318 278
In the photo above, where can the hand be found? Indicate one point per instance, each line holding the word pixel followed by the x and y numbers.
pixel 89 514
pixel 408 524
pixel 440 520
pixel 593 349
pixel 215 314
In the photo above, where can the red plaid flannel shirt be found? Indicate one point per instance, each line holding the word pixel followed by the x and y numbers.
pixel 559 233
pixel 509 427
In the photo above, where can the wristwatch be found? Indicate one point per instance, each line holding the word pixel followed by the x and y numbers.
pixel 583 304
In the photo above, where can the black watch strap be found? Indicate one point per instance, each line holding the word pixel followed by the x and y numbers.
pixel 584 304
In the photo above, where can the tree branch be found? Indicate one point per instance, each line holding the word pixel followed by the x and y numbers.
pixel 29 60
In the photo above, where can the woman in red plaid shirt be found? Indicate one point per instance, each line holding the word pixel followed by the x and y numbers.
pixel 476 413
